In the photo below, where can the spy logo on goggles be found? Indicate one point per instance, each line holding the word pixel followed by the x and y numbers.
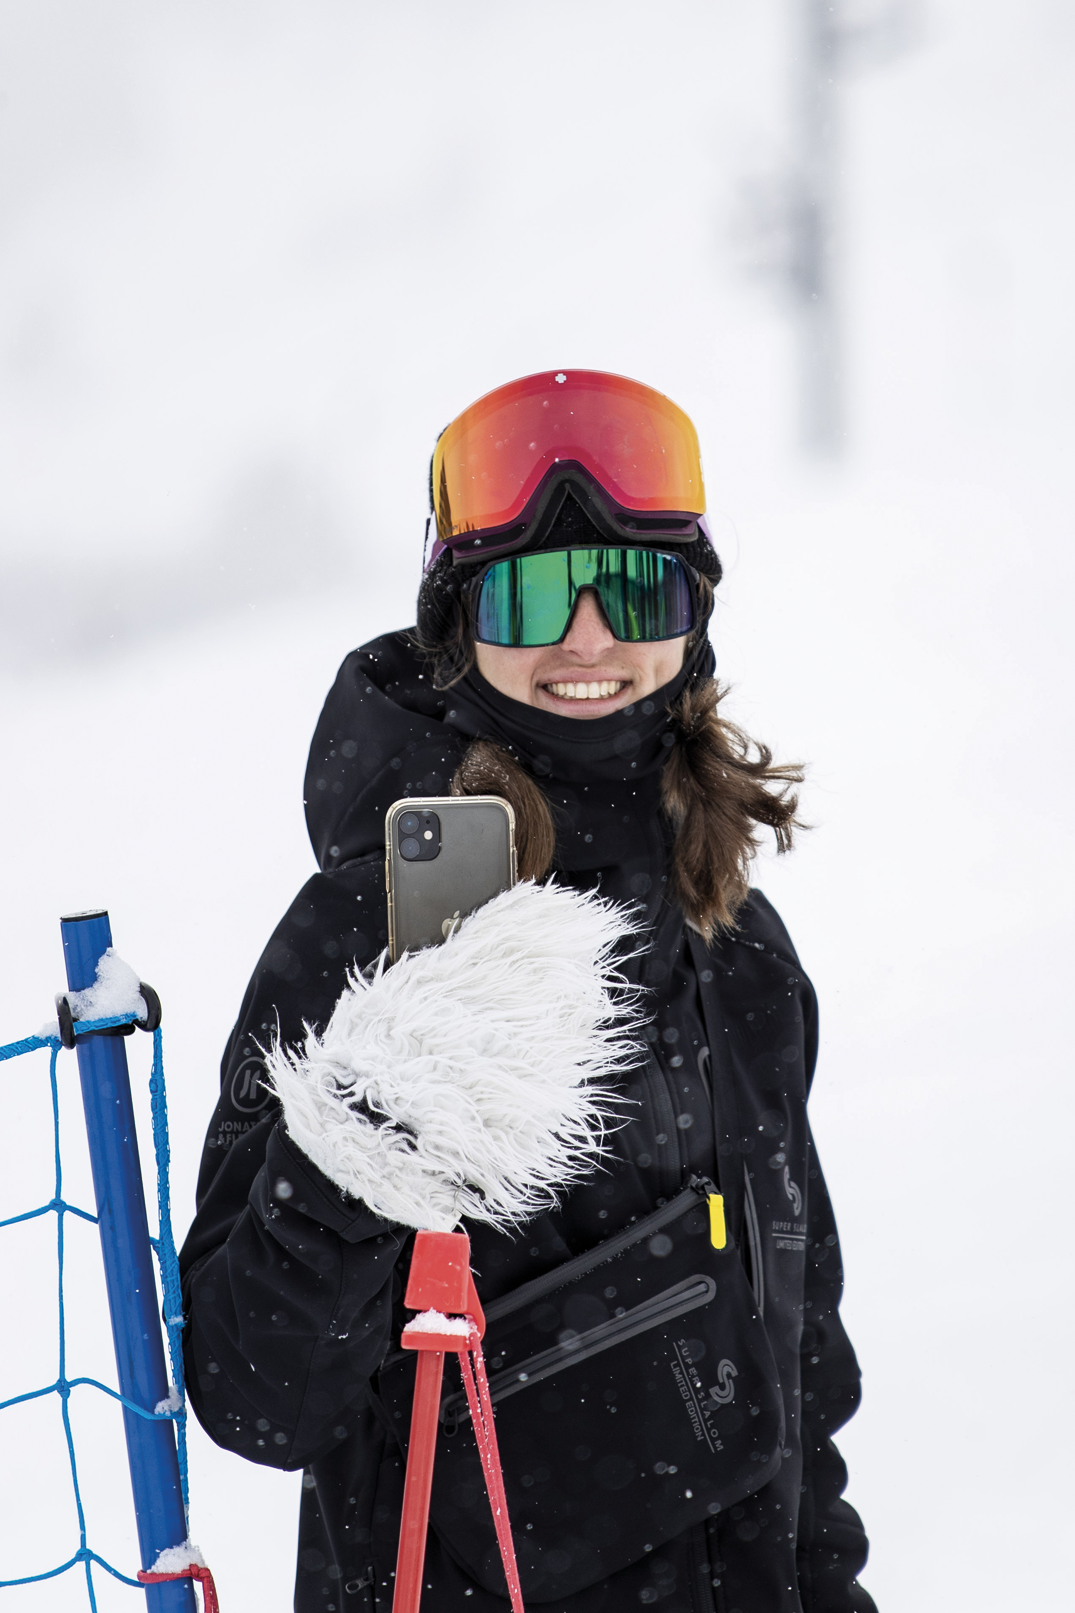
pixel 500 469
pixel 528 600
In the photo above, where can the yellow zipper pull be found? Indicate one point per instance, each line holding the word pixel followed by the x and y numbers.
pixel 718 1233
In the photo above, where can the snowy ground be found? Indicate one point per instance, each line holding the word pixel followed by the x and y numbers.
pixel 254 258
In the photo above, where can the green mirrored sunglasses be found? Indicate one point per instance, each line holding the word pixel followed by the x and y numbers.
pixel 527 600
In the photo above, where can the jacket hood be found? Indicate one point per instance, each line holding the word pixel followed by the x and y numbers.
pixel 381 735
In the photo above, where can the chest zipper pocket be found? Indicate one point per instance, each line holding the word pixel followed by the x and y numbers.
pixel 676 1301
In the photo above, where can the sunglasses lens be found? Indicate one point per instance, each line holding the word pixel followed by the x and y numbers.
pixel 646 595
pixel 527 601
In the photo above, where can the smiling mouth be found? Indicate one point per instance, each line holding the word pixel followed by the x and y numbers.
pixel 586 691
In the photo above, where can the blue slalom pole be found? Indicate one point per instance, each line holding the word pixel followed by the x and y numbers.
pixel 129 1275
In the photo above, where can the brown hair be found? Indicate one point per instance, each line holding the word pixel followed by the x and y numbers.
pixel 488 769
pixel 716 793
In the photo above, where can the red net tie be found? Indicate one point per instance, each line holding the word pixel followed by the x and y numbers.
pixel 192 1571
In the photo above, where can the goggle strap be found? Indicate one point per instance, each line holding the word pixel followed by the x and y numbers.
pixel 614 526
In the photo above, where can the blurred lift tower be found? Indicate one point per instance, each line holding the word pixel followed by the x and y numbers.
pixel 794 217
pixel 811 264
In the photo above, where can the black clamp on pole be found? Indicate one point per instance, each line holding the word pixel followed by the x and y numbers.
pixel 67 1021
pixel 153 1008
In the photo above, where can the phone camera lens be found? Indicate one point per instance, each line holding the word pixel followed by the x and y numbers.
pixel 410 849
pixel 408 824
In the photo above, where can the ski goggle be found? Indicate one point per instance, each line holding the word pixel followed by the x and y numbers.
pixel 491 464
pixel 528 600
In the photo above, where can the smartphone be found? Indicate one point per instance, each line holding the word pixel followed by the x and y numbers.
pixel 444 856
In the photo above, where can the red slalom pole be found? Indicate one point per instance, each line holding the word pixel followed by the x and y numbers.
pixel 419 1482
pixel 440 1282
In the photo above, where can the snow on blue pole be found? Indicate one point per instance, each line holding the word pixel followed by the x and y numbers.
pixel 129 1275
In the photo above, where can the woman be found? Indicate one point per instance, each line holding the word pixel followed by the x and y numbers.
pixel 561 660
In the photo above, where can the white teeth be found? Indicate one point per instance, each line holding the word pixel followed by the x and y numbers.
pixel 586 691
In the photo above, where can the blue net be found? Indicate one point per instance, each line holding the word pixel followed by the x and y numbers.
pixel 167 1260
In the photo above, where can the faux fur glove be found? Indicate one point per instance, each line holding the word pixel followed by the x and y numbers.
pixel 471 1079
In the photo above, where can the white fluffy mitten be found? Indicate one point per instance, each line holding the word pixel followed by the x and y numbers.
pixel 471 1079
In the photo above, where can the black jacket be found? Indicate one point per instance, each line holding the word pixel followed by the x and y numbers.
pixel 293 1296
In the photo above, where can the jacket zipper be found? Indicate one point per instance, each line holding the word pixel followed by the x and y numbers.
pixel 752 1231
pixel 677 1301
pixel 669 1152
pixel 672 1160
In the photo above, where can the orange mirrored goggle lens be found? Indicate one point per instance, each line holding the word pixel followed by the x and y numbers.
pixel 635 442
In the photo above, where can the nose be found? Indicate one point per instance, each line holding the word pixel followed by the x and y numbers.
pixel 588 635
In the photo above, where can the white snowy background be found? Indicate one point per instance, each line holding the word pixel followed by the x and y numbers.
pixel 252 258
